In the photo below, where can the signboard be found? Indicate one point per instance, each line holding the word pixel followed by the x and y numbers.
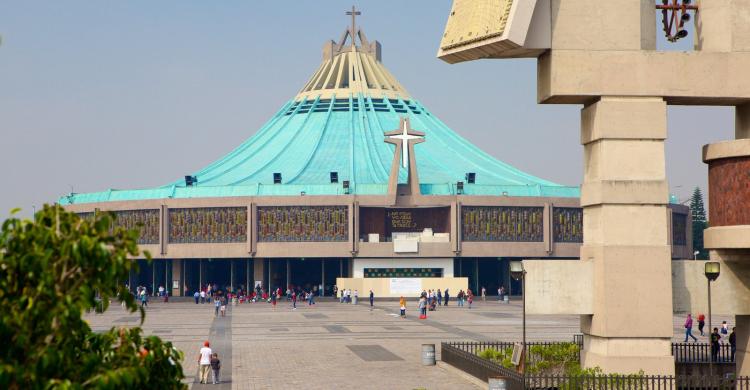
pixel 409 286
pixel 176 284
pixel 415 220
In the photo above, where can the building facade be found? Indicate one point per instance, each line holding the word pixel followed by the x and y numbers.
pixel 352 183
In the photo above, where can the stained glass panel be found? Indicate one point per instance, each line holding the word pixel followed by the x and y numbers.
pixel 145 221
pixel 567 224
pixel 303 223
pixel 209 225
pixel 490 223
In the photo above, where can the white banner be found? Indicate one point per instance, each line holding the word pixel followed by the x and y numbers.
pixel 409 286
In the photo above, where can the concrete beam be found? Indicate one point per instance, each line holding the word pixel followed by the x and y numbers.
pixel 559 286
pixel 690 78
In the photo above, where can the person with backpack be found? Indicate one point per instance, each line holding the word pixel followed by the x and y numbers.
pixel 689 328
pixel 701 323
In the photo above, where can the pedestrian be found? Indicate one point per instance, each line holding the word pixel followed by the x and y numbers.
pixel 422 307
pixel 402 304
pixel 203 296
pixel 161 291
pixel 689 328
pixel 701 323
pixel 223 300
pixel 310 299
pixel 335 291
pixel 204 362
pixel 502 294
pixel 144 298
pixel 484 294
pixel 372 299
pixel 724 328
pixel 294 300
pixel 273 300
pixel 733 343
pixel 715 337
pixel 197 297
pixel 217 306
pixel 470 298
pixel 460 298
pixel 215 367
pixel 439 298
pixel 356 297
pixel 343 295
pixel 447 297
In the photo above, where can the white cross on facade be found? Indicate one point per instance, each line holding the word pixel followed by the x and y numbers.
pixel 405 135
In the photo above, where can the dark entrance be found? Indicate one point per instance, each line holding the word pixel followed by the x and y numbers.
pixel 225 274
pixel 151 275
pixel 490 272
pixel 306 273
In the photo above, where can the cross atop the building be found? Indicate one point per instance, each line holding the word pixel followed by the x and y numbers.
pixel 354 13
pixel 404 135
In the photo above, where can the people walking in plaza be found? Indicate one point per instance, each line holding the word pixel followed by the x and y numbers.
pixel 356 297
pixel 144 298
pixel 715 337
pixel 484 294
pixel 197 297
pixel 310 298
pixel 204 362
pixel 215 367
pixel 447 297
pixel 724 328
pixel 372 299
pixel 217 306
pixel 161 291
pixel 223 300
pixel 273 300
pixel 701 323
pixel 501 294
pixel 733 343
pixel 203 296
pixel 343 295
pixel 689 328
pixel 402 304
pixel 460 298
pixel 439 298
pixel 335 291
pixel 469 298
pixel 294 300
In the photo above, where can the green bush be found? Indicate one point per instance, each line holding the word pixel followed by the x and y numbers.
pixel 54 268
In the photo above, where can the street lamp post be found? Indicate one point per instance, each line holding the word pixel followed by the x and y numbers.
pixel 695 255
pixel 518 272
pixel 712 270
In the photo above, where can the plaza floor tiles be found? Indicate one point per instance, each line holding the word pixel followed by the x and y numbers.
pixel 333 345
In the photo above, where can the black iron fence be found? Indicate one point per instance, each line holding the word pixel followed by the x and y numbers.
pixel 465 356
pixel 701 353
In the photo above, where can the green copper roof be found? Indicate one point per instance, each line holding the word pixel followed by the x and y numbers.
pixel 320 132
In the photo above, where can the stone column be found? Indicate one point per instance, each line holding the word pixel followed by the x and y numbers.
pixel 624 197
pixel 728 238
pixel 177 275
pixel 259 272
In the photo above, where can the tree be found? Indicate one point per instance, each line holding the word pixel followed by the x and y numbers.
pixel 700 223
pixel 54 268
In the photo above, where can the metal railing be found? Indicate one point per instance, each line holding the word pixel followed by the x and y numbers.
pixel 465 356
pixel 700 353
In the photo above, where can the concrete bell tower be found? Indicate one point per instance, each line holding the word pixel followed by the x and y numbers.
pixel 602 55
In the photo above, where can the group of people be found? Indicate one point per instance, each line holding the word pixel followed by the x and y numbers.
pixel 208 361
pixel 715 338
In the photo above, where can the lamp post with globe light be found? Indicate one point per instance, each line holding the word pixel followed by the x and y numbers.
pixel 517 272
pixel 712 269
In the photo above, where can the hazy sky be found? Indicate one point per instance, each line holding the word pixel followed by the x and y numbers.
pixel 133 94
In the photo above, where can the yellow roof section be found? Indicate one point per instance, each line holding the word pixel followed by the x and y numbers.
pixel 475 20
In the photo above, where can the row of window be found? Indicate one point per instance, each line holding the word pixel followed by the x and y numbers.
pixel 378 105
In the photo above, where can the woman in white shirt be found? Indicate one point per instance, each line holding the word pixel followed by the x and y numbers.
pixel 204 361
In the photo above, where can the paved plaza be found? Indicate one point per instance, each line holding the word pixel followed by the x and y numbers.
pixel 335 345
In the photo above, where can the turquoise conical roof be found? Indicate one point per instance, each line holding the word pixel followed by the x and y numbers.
pixel 336 123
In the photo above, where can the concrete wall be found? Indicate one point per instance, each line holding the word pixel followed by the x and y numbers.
pixel 381 286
